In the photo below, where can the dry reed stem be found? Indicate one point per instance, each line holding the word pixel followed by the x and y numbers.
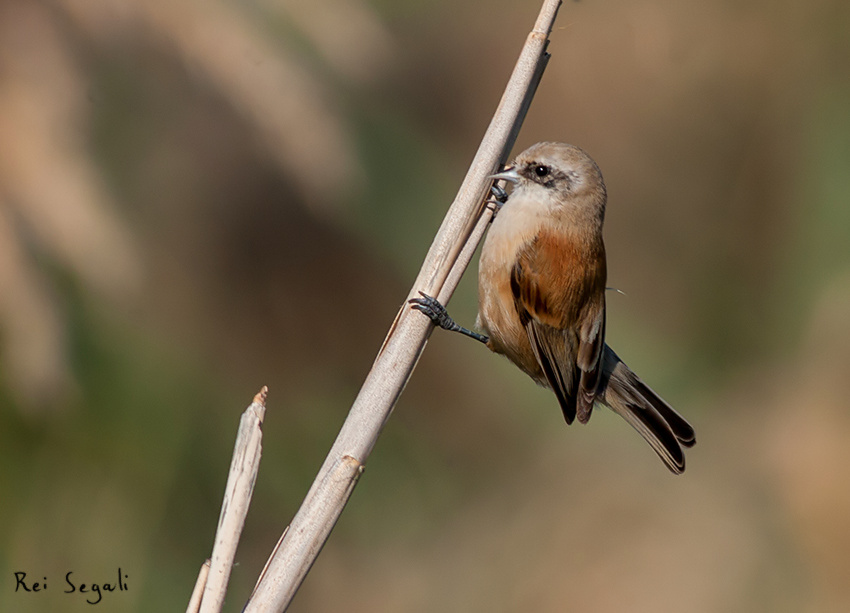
pixel 237 497
pixel 450 252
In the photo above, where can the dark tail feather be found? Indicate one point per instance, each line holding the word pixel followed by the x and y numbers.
pixel 656 421
pixel 680 427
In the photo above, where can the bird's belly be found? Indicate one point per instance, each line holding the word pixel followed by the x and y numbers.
pixel 497 314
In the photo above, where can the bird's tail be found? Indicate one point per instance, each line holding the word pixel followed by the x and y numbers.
pixel 664 429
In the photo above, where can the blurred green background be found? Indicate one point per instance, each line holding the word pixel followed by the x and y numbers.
pixel 201 198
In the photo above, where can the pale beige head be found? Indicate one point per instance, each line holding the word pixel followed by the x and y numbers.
pixel 558 173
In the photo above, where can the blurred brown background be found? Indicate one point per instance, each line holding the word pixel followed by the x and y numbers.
pixel 200 198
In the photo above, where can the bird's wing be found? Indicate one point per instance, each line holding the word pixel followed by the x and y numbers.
pixel 550 284
pixel 589 360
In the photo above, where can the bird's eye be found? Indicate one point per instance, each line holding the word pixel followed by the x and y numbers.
pixel 541 171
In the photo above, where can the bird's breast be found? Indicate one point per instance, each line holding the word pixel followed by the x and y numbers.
pixel 519 221
pixel 563 262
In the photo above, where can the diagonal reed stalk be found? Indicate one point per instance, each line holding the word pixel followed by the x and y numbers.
pixel 448 257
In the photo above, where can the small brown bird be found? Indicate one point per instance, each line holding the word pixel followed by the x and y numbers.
pixel 541 292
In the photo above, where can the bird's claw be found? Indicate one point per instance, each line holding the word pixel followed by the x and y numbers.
pixel 499 198
pixel 431 307
pixel 437 313
pixel 499 194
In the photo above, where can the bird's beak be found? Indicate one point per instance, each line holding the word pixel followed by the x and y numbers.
pixel 508 174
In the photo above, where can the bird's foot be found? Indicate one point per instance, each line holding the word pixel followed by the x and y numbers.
pixel 499 197
pixel 438 314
